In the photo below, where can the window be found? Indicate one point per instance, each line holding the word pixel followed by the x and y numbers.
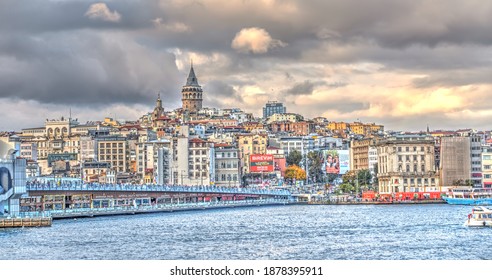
pixel 414 149
pixel 421 149
pixel 415 168
pixel 400 158
pixel 407 149
pixel 408 168
pixel 487 157
pixel 415 158
pixel 422 168
pixel 486 167
pixel 407 158
pixel 422 158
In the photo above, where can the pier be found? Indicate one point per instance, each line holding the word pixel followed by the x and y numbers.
pixel 25 222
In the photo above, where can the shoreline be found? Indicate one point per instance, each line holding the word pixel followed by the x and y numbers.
pixel 377 202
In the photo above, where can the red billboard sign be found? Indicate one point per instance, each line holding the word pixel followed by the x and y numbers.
pixel 261 163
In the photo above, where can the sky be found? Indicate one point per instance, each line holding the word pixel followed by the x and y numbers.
pixel 405 64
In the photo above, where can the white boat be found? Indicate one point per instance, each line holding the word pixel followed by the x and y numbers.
pixel 480 217
pixel 469 196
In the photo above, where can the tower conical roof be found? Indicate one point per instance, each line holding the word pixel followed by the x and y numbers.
pixel 192 80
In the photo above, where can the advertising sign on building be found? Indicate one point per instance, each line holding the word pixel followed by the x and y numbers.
pixel 337 161
pixel 261 163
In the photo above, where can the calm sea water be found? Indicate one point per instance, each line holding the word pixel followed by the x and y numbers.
pixel 321 232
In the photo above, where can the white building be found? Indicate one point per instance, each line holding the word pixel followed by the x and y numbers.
pixel 227 166
pixel 406 164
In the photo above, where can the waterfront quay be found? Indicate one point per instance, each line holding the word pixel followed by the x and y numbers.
pixel 377 202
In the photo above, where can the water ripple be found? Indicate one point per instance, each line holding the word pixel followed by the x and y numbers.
pixel 401 232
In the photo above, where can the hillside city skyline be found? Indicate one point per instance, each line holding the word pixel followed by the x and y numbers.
pixel 404 66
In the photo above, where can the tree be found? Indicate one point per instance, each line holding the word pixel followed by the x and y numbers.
pixel 462 182
pixel 348 182
pixel 364 177
pixel 294 158
pixel 315 165
pixel 295 172
pixel 375 182
pixel 346 188
pixel 330 177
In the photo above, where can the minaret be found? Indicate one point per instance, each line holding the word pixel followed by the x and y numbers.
pixel 159 101
pixel 158 110
pixel 192 93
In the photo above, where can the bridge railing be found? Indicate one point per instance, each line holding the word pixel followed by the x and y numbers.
pixel 151 188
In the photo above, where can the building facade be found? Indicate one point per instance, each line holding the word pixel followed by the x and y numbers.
pixel 487 167
pixel 455 160
pixel 406 164
pixel 227 166
pixel 250 144
pixel 113 150
pixel 359 154
pixel 273 107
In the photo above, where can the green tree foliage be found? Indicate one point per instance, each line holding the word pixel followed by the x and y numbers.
pixel 355 181
pixel 364 177
pixel 294 158
pixel 315 163
pixel 462 182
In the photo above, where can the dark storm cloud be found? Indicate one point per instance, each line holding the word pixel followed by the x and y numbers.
pixel 455 78
pixel 219 94
pixel 220 89
pixel 304 88
pixel 52 53
pixel 50 16
pixel 83 69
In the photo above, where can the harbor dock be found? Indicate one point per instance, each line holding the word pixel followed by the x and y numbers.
pixel 25 222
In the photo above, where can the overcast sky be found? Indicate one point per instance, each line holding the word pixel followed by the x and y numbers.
pixel 403 64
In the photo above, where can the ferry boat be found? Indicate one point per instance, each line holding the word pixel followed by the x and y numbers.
pixel 469 196
pixel 480 217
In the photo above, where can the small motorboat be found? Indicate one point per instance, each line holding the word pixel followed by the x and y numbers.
pixel 480 217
